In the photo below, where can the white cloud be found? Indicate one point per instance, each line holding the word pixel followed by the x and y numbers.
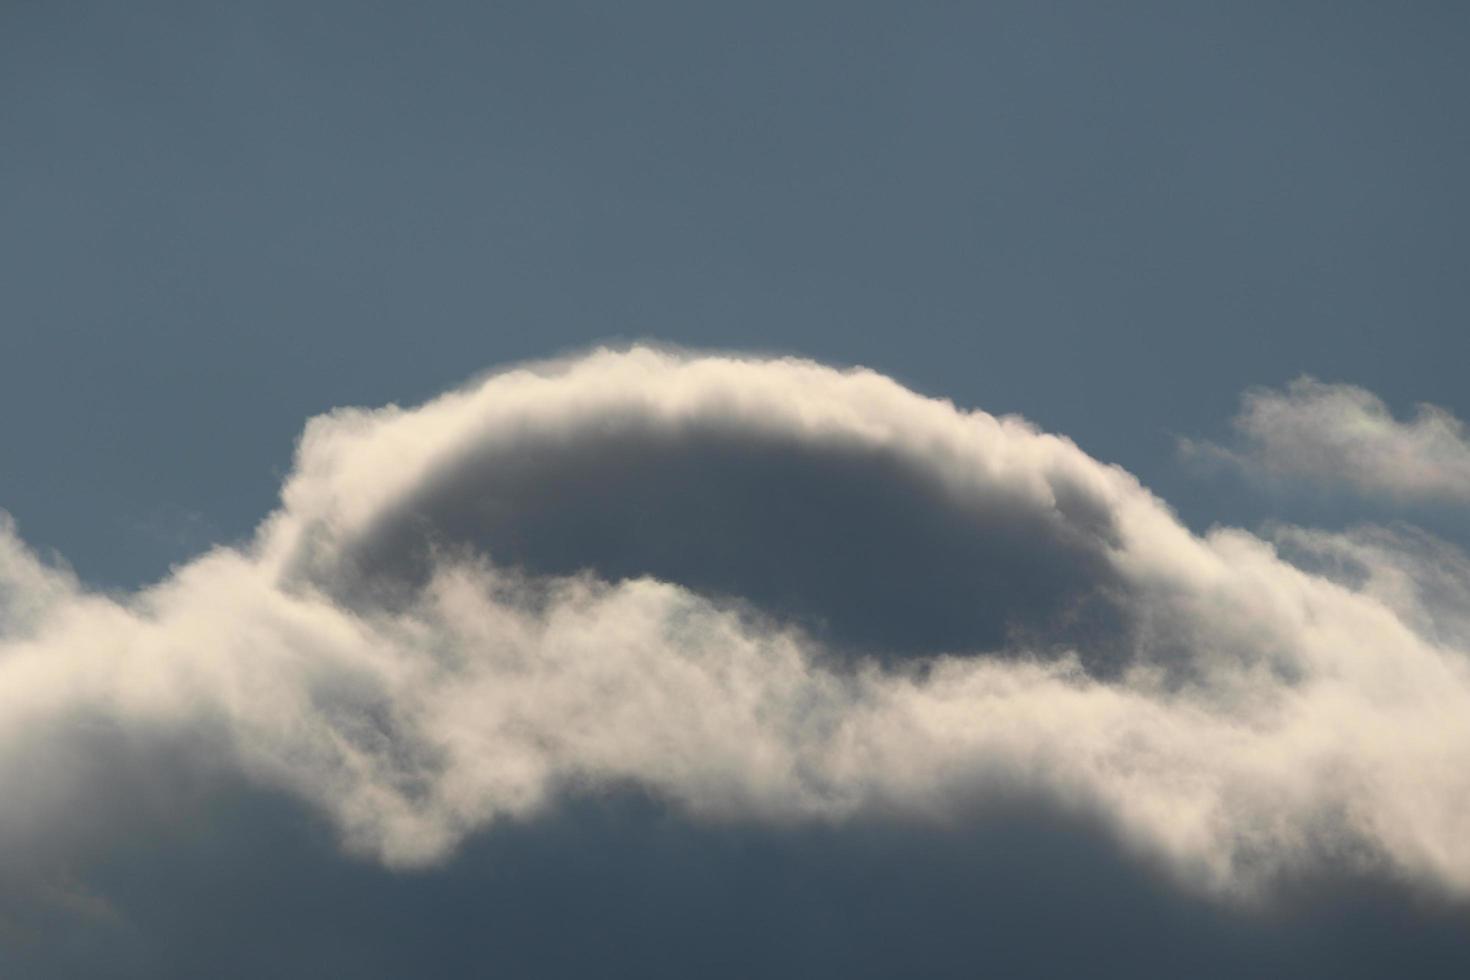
pixel 1339 435
pixel 1260 716
pixel 1424 580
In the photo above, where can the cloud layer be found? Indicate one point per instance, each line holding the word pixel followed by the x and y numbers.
pixel 1340 435
pixel 765 592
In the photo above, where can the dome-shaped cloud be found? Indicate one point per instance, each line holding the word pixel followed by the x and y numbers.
pixel 762 590
pixel 882 521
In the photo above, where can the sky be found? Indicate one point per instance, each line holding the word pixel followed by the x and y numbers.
pixel 791 489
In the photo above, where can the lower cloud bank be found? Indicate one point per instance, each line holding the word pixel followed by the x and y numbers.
pixel 250 884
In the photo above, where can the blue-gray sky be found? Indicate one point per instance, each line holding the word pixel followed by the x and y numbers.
pixel 1136 224
pixel 219 219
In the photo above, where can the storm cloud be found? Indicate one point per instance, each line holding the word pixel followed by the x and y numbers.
pixel 760 597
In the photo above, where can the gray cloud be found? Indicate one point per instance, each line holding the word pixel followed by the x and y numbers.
pixel 860 543
pixel 1343 436
pixel 617 884
pixel 764 594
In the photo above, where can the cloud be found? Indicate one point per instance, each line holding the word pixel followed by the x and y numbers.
pixel 1339 435
pixel 618 884
pixel 1423 579
pixel 765 594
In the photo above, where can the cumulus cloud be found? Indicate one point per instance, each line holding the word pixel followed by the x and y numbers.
pixel 765 592
pixel 1340 435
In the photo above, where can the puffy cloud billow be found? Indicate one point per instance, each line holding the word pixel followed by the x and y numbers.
pixel 1342 436
pixel 765 593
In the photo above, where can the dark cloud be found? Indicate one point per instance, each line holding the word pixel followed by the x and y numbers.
pixel 618 885
pixel 865 546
